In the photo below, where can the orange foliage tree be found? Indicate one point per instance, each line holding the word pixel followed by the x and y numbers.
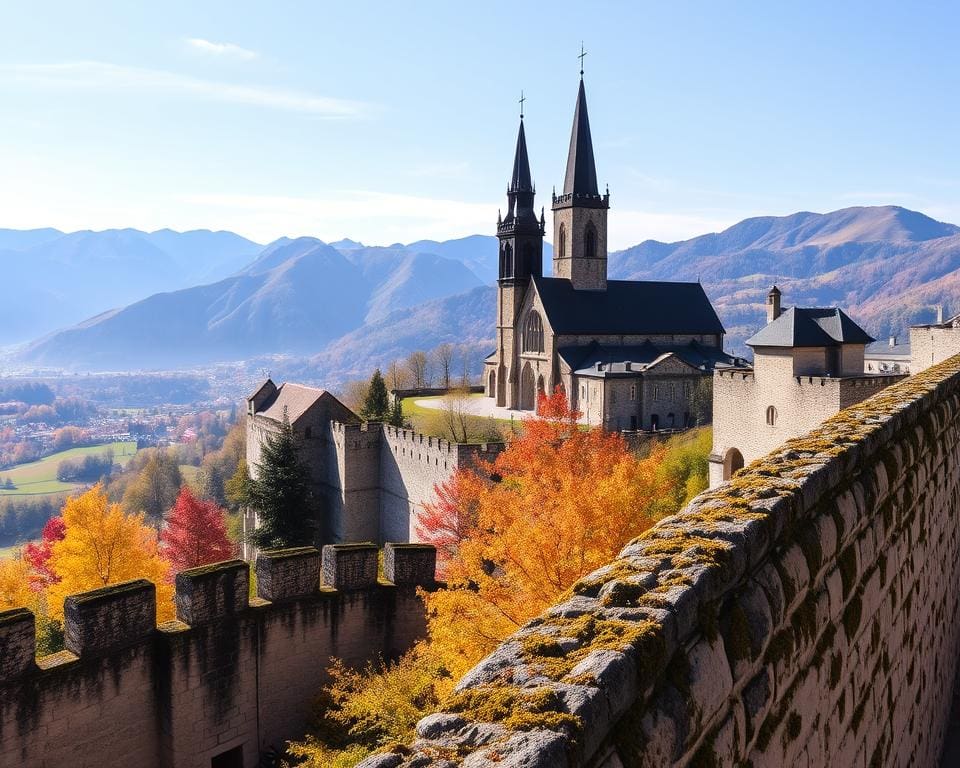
pixel 103 545
pixel 557 503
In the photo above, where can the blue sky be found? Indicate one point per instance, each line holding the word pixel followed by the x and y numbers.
pixel 396 121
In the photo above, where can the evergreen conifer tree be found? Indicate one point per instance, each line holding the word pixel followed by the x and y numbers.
pixel 396 414
pixel 376 405
pixel 281 493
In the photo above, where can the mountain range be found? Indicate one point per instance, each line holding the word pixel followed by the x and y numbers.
pixel 344 307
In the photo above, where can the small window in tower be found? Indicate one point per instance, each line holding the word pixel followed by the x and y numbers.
pixel 506 260
pixel 590 242
pixel 771 415
pixel 562 242
pixel 633 391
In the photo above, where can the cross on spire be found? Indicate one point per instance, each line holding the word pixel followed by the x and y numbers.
pixel 522 99
pixel 582 54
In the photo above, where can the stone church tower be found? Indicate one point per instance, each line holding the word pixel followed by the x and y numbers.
pixel 580 213
pixel 521 258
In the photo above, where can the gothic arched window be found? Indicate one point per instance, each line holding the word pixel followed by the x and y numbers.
pixel 562 242
pixel 590 242
pixel 533 332
pixel 506 260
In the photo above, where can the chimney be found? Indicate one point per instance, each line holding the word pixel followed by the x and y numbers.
pixel 893 341
pixel 939 309
pixel 773 304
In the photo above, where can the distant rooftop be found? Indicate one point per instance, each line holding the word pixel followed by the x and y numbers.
pixel 810 327
pixel 598 360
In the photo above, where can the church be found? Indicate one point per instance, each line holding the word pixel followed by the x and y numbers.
pixel 627 354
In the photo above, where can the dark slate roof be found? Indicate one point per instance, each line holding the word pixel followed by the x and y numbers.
pixel 520 180
pixel 635 307
pixel 613 359
pixel 581 178
pixel 810 327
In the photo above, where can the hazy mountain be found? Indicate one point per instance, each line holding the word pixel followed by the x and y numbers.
pixel 886 266
pixel 355 306
pixel 478 252
pixel 63 278
pixel 295 297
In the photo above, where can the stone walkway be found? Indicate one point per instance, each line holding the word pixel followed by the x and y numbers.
pixel 480 405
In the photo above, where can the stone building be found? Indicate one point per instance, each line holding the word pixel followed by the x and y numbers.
pixel 934 343
pixel 891 356
pixel 808 365
pixel 370 481
pixel 628 354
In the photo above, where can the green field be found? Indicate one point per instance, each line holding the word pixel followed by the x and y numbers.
pixel 426 420
pixel 39 478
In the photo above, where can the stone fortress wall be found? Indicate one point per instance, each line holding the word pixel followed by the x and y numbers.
pixel 230 679
pixel 803 613
pixel 385 475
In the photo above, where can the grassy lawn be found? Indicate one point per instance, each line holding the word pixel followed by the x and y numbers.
pixel 39 478
pixel 427 420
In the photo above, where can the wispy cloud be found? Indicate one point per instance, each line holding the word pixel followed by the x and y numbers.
pixel 229 50
pixel 105 76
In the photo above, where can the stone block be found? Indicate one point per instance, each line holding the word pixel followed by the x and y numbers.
pixel 285 574
pixel 212 591
pixel 410 563
pixel 18 643
pixel 110 617
pixel 350 566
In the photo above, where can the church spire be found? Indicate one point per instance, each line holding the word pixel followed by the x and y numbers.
pixel 581 178
pixel 520 232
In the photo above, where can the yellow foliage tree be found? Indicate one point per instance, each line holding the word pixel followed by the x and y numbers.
pixel 102 545
pixel 15 589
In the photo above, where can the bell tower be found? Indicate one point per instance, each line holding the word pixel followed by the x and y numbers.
pixel 580 212
pixel 521 257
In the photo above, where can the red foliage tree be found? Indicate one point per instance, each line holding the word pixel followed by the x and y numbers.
pixel 195 533
pixel 38 554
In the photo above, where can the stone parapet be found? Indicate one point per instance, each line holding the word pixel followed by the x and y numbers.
pixel 212 591
pixel 803 613
pixel 18 643
pixel 284 574
pixel 350 566
pixel 410 563
pixel 110 617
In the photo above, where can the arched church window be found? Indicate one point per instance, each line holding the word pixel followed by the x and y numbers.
pixel 506 259
pixel 533 332
pixel 562 242
pixel 590 242
pixel 771 415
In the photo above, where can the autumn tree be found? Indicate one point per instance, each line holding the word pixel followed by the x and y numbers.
pixel 103 545
pixel 560 502
pixel 15 589
pixel 417 363
pixel 154 490
pixel 237 488
pixel 37 554
pixel 195 533
pixel 397 375
pixel 376 403
pixel 443 354
pixel 281 493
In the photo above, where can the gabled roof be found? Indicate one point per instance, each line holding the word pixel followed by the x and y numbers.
pixel 603 360
pixel 810 327
pixel 581 178
pixel 631 307
pixel 296 398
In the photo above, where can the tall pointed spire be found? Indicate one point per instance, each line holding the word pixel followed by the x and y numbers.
pixel 520 180
pixel 581 178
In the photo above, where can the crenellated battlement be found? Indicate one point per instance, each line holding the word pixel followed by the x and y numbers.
pixel 231 672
